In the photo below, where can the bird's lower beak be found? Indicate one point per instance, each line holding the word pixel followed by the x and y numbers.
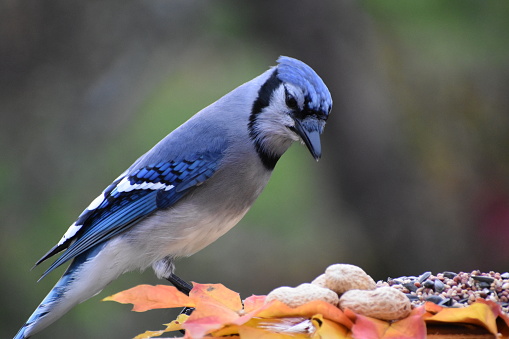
pixel 309 132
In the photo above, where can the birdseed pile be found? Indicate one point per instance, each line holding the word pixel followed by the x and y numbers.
pixel 450 289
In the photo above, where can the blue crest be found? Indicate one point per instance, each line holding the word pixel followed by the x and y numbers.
pixel 298 73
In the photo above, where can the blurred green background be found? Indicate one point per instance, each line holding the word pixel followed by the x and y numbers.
pixel 415 167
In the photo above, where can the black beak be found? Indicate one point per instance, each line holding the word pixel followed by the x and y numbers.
pixel 309 131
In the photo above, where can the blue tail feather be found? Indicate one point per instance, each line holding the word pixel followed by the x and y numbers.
pixel 46 305
pixel 56 300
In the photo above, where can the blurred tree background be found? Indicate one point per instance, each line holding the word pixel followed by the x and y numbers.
pixel 415 169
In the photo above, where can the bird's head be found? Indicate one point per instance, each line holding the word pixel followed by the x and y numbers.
pixel 292 104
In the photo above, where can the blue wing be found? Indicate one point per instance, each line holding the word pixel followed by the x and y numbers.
pixel 131 198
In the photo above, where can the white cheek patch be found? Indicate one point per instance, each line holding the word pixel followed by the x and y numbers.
pixel 125 186
pixel 71 232
pixel 287 120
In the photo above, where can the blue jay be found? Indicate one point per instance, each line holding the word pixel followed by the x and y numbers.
pixel 189 189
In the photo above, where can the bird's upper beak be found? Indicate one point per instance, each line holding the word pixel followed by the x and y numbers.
pixel 309 130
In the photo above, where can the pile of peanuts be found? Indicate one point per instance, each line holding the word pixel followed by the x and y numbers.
pixel 347 286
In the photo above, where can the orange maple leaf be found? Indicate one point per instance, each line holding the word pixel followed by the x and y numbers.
pixel 277 309
pixel 147 297
pixel 254 302
pixel 483 313
pixel 412 326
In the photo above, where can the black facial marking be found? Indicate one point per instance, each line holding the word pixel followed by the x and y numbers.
pixel 268 159
pixel 264 95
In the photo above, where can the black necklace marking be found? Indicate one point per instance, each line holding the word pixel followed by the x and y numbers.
pixel 268 159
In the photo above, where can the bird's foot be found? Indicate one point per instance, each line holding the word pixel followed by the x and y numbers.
pixel 184 287
pixel 181 285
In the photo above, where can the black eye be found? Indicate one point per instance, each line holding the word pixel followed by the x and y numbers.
pixel 291 102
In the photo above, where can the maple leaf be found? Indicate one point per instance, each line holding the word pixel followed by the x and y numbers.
pixel 254 302
pixel 329 329
pixel 175 325
pixel 147 297
pixel 248 332
pixel 277 309
pixel 412 326
pixel 316 319
pixel 215 307
pixel 483 313
pixel 216 294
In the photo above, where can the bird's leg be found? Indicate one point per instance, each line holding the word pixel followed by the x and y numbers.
pixel 184 287
pixel 181 285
